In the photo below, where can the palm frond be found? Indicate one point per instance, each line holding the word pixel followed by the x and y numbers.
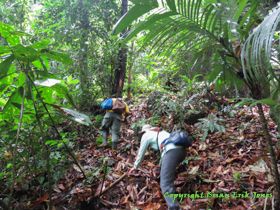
pixel 256 53
pixel 184 18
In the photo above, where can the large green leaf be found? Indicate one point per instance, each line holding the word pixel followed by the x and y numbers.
pixel 13 39
pixel 5 65
pixel 61 57
pixel 238 13
pixel 26 54
pixel 20 33
pixel 11 110
pixel 42 63
pixel 46 75
pixel 269 102
pixel 213 75
pixel 4 50
pixel 2 102
pixel 5 29
pixel 41 45
pixel 62 91
pixel 3 87
pixel 21 79
pixel 47 82
pixel 75 116
pixel 171 4
pixel 47 95
pixel 140 8
pixel 8 79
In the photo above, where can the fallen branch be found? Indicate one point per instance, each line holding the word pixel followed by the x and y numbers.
pixel 110 186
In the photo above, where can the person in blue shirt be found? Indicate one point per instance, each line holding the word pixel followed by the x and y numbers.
pixel 171 157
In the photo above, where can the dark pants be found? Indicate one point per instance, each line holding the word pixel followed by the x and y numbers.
pixel 170 161
pixel 112 120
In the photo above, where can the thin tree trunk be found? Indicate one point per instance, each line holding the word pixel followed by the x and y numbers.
pixel 272 156
pixel 84 21
pixel 121 68
pixel 14 152
pixel 45 149
pixel 130 73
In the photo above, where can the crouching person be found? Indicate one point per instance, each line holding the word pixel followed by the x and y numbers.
pixel 113 119
pixel 171 156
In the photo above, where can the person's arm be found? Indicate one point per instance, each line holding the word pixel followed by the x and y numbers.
pixel 126 112
pixel 145 141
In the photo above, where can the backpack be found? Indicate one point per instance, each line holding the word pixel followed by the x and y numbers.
pixel 107 104
pixel 178 138
pixel 118 106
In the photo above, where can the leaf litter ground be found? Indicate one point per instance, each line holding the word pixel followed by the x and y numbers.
pixel 235 163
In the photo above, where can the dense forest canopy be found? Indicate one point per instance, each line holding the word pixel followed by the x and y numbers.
pixel 209 67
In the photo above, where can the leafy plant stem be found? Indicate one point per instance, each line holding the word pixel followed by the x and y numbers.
pixel 105 172
pixel 10 74
pixel 272 154
pixel 46 152
pixel 69 151
pixel 19 154
pixel 15 148
pixel 106 162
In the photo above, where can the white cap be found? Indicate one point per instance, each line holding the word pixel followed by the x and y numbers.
pixel 146 128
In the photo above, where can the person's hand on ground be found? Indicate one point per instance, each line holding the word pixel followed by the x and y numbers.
pixel 131 170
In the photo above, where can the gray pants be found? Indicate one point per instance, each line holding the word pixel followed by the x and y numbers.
pixel 168 167
pixel 112 120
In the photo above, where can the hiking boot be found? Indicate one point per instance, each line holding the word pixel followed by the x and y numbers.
pixel 104 137
pixel 115 145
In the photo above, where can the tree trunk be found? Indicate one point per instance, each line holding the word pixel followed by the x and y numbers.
pixel 84 59
pixel 258 92
pixel 130 73
pixel 272 156
pixel 121 68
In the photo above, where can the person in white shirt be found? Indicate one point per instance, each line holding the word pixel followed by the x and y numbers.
pixel 171 157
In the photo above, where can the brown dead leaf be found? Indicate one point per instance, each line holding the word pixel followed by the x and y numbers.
pixel 214 154
pixel 40 200
pixel 194 170
pixel 229 160
pixel 194 151
pixel 131 132
pixel 61 186
pixel 106 203
pixel 143 189
pixel 152 206
pixel 148 164
pixel 221 184
pixel 55 188
pixel 76 168
pixel 69 183
pixel 210 181
pixel 202 146
pixel 124 200
pixel 132 192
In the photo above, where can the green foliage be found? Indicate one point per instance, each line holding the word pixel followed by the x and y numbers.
pixel 98 120
pixel 253 102
pixel 191 83
pixel 140 123
pixel 99 140
pixel 211 123
pixel 28 87
pixel 188 159
pixel 82 29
